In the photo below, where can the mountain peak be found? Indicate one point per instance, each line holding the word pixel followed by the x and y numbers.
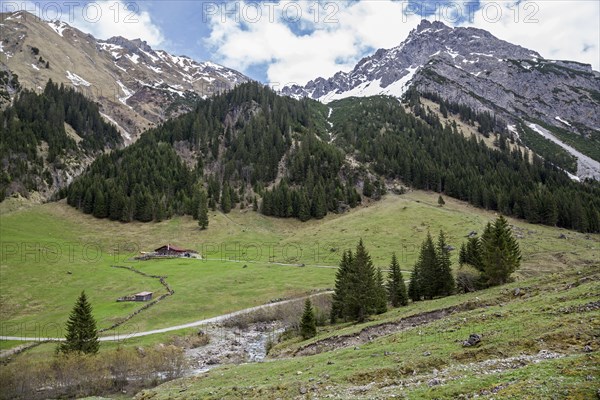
pixel 426 24
pixel 473 67
pixel 128 44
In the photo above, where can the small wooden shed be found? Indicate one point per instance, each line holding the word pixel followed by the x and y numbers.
pixel 169 250
pixel 143 296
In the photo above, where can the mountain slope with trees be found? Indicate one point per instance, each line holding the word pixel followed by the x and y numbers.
pixel 48 137
pixel 251 147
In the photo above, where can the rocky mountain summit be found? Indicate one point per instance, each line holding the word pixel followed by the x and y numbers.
pixel 472 67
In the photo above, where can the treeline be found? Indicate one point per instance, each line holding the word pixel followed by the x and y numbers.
pixel 430 156
pixel 34 119
pixel 241 140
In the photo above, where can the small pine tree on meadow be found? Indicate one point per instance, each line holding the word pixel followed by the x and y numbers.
pixel 308 322
pixel 395 286
pixel 82 335
pixel 441 201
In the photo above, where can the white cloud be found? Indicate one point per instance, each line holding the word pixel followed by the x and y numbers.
pixel 343 33
pixel 102 19
pixel 555 29
pixel 563 29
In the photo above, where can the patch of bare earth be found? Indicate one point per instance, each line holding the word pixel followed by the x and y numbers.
pixel 371 333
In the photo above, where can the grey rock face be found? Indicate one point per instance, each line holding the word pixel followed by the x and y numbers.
pixel 472 67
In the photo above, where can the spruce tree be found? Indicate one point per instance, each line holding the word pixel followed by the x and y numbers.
pixel 414 286
pixel 203 210
pixel 308 322
pixel 367 188
pixel 396 287
pixel 338 305
pixel 473 253
pixel 427 268
pixel 361 292
pixel 444 281
pixel 500 252
pixel 380 293
pixel 82 335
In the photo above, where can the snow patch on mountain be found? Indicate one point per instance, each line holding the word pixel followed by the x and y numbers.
pixel 128 93
pixel 134 58
pixel 57 26
pixel 586 166
pixel 559 119
pixel 155 69
pixel 76 80
pixel 126 135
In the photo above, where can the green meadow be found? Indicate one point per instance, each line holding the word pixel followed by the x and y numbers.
pixel 51 252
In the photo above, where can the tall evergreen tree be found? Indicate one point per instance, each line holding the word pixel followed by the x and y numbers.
pixel 472 254
pixel 432 274
pixel 395 286
pixel 338 306
pixel 380 293
pixel 308 322
pixel 203 210
pixel 427 268
pixel 361 293
pixel 414 286
pixel 500 252
pixel 444 281
pixel 82 335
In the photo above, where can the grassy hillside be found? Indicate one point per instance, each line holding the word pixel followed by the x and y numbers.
pixel 42 244
pixel 532 347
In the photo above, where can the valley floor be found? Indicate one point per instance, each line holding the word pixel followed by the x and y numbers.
pixel 51 252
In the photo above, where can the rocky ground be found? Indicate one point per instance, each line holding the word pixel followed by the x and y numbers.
pixel 233 345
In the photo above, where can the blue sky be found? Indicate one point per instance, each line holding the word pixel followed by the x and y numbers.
pixel 293 41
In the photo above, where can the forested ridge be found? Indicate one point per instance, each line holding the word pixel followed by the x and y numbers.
pixel 240 141
pixel 37 119
pixel 254 148
pixel 427 155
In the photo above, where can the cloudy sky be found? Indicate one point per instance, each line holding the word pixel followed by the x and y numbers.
pixel 283 42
